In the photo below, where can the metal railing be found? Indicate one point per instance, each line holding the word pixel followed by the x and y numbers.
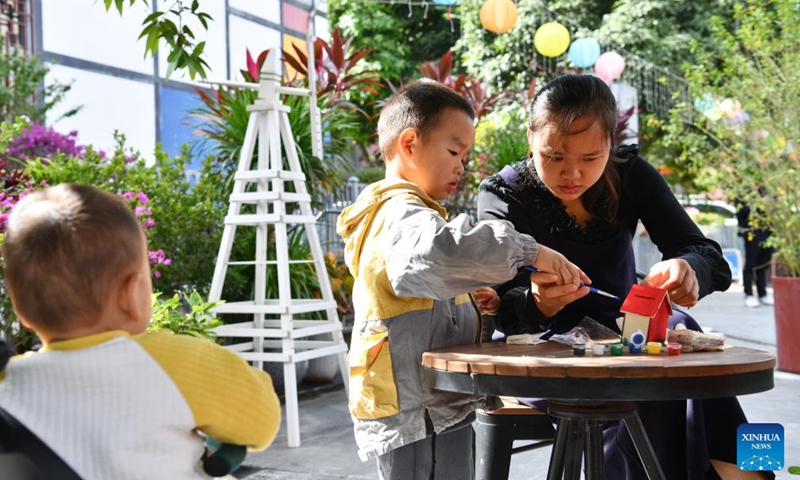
pixel 327 217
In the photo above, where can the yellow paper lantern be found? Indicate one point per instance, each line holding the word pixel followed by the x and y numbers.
pixel 551 39
pixel 498 16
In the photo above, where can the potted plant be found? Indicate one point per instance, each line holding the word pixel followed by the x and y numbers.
pixel 185 314
pixel 740 131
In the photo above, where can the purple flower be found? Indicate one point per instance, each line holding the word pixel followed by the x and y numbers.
pixel 143 197
pixel 39 141
pixel 158 257
pixel 142 210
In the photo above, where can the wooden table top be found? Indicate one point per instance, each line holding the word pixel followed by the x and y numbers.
pixel 550 370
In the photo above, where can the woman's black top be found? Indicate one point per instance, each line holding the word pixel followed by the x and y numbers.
pixel 603 247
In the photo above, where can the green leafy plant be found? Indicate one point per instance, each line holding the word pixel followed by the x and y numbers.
pixel 705 218
pixel 21 90
pixel 185 314
pixel 656 30
pixel 749 151
pixel 188 218
pixel 338 70
pixel 167 24
pixel 371 173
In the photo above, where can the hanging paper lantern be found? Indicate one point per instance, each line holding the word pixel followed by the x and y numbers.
pixel 584 52
pixel 709 107
pixel 446 3
pixel 609 66
pixel 551 39
pixel 498 16
pixel 705 103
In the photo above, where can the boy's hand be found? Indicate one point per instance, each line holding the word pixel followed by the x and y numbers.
pixel 550 297
pixel 550 261
pixel 487 300
pixel 678 278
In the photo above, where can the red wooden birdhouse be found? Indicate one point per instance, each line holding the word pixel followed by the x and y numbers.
pixel 646 309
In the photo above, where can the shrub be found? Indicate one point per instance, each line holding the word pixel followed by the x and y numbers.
pixel 185 314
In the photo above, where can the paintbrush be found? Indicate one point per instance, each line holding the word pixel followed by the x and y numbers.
pixel 591 288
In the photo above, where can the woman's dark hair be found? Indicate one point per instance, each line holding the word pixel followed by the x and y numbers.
pixel 567 98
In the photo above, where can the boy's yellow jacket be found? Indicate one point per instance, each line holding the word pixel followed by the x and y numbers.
pixel 413 272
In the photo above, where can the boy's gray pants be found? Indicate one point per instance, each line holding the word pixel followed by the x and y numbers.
pixel 449 455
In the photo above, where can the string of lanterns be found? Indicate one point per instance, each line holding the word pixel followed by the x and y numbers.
pixel 657 87
pixel 552 39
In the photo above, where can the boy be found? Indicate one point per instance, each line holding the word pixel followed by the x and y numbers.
pixel 111 401
pixel 412 271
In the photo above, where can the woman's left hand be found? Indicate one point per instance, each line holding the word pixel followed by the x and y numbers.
pixel 678 278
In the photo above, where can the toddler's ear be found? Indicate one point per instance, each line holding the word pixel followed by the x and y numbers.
pixel 407 142
pixel 129 296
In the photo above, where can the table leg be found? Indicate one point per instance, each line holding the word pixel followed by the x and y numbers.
pixel 493 450
pixel 574 450
pixel 594 451
pixel 556 468
pixel 643 447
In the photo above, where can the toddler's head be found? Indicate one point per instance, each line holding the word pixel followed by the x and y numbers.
pixel 76 263
pixel 425 132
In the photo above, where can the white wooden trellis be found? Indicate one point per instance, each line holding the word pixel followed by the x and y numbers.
pixel 268 128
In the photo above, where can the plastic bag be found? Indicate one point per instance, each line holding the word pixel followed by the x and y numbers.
pixel 692 341
pixel 588 331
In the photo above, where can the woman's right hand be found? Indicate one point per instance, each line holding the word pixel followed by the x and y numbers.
pixel 550 296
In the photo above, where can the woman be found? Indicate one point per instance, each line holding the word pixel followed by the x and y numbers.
pixel 579 195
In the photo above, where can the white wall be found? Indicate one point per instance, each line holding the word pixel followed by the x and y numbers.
pixel 266 9
pixel 109 103
pixel 321 27
pixel 246 35
pixel 83 29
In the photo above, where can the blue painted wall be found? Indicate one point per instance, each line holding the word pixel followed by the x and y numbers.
pixel 177 127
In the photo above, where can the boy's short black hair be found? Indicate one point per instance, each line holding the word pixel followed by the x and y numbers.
pixel 65 248
pixel 418 105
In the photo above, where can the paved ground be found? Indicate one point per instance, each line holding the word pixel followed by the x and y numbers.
pixel 328 450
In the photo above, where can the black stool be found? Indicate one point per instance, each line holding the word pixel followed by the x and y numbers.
pixel 496 431
pixel 580 429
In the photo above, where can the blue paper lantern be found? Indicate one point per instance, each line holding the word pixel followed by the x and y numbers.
pixel 446 3
pixel 584 52
pixel 705 103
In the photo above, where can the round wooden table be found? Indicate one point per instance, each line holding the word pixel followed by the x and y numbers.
pixel 587 391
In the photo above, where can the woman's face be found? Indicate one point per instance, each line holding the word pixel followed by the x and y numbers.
pixel 569 165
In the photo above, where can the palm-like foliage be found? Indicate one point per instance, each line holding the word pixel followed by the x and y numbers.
pixel 471 88
pixel 223 117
